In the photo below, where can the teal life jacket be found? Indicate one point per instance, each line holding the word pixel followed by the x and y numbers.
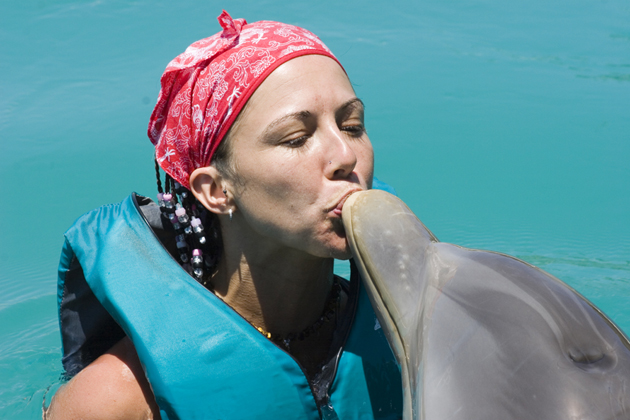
pixel 201 358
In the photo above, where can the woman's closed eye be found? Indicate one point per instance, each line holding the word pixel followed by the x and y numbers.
pixel 354 130
pixel 296 142
pixel 350 118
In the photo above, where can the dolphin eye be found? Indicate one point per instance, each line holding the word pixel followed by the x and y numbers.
pixel 586 357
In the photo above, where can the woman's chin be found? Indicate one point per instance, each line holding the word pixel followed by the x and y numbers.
pixel 343 255
pixel 341 250
pixel 332 244
pixel 336 248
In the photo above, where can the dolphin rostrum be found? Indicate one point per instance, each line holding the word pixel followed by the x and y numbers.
pixel 480 335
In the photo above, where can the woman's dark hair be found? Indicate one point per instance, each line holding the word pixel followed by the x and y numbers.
pixel 212 244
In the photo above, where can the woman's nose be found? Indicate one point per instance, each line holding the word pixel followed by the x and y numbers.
pixel 342 158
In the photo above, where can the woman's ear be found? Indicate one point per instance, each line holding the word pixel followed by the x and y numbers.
pixel 207 185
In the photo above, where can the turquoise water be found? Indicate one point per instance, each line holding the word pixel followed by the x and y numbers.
pixel 504 126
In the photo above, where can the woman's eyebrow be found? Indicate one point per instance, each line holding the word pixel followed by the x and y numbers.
pixel 300 115
pixel 349 106
pixel 353 103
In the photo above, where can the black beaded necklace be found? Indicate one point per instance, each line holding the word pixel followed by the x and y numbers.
pixel 329 312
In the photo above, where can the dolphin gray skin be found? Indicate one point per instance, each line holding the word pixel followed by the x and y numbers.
pixel 480 335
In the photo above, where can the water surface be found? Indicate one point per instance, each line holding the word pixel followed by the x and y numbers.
pixel 504 126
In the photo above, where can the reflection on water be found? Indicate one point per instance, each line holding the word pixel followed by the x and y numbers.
pixel 504 126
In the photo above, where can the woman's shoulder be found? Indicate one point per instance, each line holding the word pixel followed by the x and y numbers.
pixel 111 387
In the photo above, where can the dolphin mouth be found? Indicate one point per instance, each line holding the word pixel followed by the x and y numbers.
pixel 384 316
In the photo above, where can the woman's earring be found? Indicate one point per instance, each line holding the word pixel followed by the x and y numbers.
pixel 224 191
pixel 230 211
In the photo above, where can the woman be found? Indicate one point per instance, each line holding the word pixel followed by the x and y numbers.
pixel 262 139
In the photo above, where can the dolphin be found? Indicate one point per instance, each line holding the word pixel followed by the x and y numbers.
pixel 481 335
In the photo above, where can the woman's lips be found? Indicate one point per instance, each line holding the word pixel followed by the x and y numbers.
pixel 337 210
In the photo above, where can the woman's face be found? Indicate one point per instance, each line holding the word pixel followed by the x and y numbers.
pixel 299 149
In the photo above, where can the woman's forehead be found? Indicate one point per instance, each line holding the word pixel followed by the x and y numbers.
pixel 308 83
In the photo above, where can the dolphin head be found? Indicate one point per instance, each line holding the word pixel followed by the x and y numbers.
pixel 481 335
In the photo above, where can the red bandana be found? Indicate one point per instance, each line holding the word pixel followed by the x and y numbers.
pixel 205 88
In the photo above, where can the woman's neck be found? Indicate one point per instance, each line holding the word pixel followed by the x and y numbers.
pixel 279 290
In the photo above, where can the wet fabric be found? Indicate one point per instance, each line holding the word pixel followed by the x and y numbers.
pixel 202 359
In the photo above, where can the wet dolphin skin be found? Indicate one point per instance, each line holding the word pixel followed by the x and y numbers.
pixel 481 335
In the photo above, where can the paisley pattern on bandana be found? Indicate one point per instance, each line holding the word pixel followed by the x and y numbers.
pixel 205 87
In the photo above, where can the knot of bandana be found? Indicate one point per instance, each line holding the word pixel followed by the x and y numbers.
pixel 231 27
pixel 204 88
